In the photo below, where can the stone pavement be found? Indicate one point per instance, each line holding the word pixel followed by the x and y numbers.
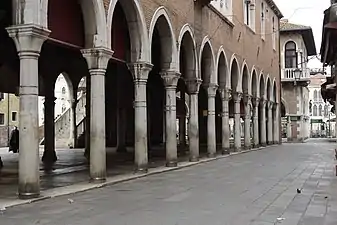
pixel 256 188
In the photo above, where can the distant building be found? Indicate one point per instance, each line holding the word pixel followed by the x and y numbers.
pixel 320 111
pixel 297 44
pixel 9 108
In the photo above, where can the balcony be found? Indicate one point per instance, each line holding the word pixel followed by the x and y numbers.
pixel 203 2
pixel 288 75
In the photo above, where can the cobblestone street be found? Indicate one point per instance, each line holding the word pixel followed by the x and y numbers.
pixel 258 188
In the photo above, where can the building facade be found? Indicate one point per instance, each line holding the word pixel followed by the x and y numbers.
pixel 138 56
pixel 9 118
pixel 297 44
pixel 321 122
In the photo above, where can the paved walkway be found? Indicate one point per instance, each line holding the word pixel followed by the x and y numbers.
pixel 256 188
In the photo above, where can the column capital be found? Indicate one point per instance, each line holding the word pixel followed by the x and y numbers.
pixel 270 104
pixel 140 71
pixel 193 85
pixel 225 94
pixel 247 99
pixel 170 78
pixel 237 96
pixel 255 101
pixel 97 58
pixel 28 38
pixel 211 89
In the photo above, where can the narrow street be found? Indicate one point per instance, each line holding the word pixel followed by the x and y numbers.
pixel 259 188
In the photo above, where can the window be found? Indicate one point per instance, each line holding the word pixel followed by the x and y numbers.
pixel 273 30
pixel 224 7
pixel 320 110
pixel 2 119
pixel 14 116
pixel 263 21
pixel 326 110
pixel 63 90
pixel 315 110
pixel 246 10
pixel 290 55
pixel 2 96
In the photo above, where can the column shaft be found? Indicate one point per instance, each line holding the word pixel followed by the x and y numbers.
pixel 247 101
pixel 193 86
pixel 256 122
pixel 276 126
pixel 211 131
pixel 263 123
pixel 270 123
pixel 225 121
pixel 237 121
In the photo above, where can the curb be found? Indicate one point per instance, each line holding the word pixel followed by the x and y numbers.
pixel 85 186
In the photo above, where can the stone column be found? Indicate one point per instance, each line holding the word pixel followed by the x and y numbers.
pixel 256 121
pixel 97 59
pixel 74 120
pixel 237 121
pixel 193 86
pixel 270 122
pixel 49 155
pixel 140 72
pixel 247 102
pixel 211 132
pixel 276 119
pixel 170 79
pixel 182 124
pixel 263 122
pixel 28 40
pixel 225 95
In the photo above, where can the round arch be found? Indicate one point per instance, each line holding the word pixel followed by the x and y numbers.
pixel 140 50
pixel 207 57
pixel 162 20
pixel 246 79
pixel 222 69
pixel 94 21
pixel 236 85
pixel 187 39
pixel 254 82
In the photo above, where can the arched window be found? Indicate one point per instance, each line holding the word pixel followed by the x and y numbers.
pixel 273 30
pixel 326 110
pixel 290 55
pixel 320 110
pixel 315 95
pixel 315 110
pixel 63 90
pixel 262 21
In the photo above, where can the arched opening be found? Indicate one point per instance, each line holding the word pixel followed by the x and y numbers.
pixel 262 110
pixel 207 68
pixel 246 125
pixel 269 123
pixel 223 84
pixel 187 68
pixel 284 121
pixel 161 58
pixel 235 77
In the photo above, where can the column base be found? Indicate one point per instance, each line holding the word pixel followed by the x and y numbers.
pixel 248 147
pixel 256 146
pixel 25 196
pixel 121 149
pixel 97 180
pixel 225 151
pixel 270 142
pixel 194 158
pixel 211 155
pixel 172 164
pixel 263 144
pixel 236 149
pixel 141 169
pixel 49 157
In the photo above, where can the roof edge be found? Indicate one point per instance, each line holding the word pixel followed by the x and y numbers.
pixel 274 7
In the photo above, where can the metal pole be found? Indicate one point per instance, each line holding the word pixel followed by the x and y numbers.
pixel 8 133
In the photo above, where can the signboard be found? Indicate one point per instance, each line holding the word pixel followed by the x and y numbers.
pixel 316 121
